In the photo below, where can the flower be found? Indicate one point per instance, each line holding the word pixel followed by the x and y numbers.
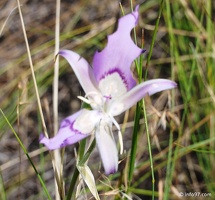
pixel 110 90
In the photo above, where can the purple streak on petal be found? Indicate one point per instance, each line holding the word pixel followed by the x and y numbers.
pixel 67 135
pixel 120 51
pixel 129 99
pixel 82 70
pixel 107 149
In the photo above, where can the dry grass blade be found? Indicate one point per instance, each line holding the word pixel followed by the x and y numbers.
pixel 58 160
pixel 32 69
pixel 5 22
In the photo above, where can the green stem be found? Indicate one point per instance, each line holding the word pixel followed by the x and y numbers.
pixel 72 183
pixel 83 157
pixel 134 142
pixel 86 156
pixel 76 172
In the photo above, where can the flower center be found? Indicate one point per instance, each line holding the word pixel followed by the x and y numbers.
pixel 95 100
pixel 99 103
pixel 112 85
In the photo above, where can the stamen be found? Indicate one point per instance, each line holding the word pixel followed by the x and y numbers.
pixel 120 142
pixel 119 133
pixel 84 99
pixel 114 121
pixel 96 100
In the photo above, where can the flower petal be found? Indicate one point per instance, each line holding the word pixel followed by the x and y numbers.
pixel 127 100
pixel 120 52
pixel 82 70
pixel 107 149
pixel 69 132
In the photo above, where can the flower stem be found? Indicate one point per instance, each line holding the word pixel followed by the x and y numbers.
pixel 82 159
pixel 76 172
pixel 134 142
pixel 72 183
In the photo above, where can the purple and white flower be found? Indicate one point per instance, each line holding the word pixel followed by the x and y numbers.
pixel 110 90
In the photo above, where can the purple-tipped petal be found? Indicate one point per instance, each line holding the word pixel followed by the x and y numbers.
pixel 129 99
pixel 69 133
pixel 119 53
pixel 82 70
pixel 107 149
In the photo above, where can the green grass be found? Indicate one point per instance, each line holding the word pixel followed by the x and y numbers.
pixel 158 163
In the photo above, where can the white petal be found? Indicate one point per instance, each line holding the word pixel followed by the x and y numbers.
pixel 107 148
pixel 87 121
pixel 127 100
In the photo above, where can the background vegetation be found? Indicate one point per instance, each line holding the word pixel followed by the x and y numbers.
pixel 181 122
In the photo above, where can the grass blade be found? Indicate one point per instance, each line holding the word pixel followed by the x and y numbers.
pixel 154 36
pixel 2 188
pixel 57 156
pixel 32 70
pixel 89 179
pixel 29 158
